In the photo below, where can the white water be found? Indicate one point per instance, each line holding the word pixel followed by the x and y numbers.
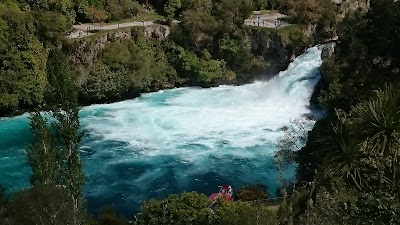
pixel 180 140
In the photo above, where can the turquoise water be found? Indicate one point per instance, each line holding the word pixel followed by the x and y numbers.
pixel 185 139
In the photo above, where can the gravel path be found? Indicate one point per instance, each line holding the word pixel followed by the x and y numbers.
pixel 81 30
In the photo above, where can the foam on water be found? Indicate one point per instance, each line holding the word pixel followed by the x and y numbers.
pixel 177 140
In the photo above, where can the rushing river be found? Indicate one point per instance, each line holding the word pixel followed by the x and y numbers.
pixel 185 139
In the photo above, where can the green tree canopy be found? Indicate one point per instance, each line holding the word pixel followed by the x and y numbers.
pixel 22 60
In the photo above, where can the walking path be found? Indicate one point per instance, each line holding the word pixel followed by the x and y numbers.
pixel 84 30
pixel 271 20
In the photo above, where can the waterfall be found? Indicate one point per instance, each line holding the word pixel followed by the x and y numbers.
pixel 184 139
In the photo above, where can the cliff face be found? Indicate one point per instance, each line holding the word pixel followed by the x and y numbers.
pixel 271 47
pixel 280 46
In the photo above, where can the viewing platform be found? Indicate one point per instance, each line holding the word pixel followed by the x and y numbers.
pixel 269 19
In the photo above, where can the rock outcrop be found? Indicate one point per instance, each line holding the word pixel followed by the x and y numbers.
pixel 279 46
pixel 328 51
pixel 85 52
pixel 157 32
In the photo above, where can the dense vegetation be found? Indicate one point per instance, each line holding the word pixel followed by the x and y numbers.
pixel 347 172
pixel 351 156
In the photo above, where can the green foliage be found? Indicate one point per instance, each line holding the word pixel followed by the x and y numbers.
pixel 202 72
pixel 343 159
pixel 22 60
pixel 217 26
pixel 368 157
pixel 359 154
pixel 102 83
pixel 122 9
pixel 236 52
pixel 127 68
pixel 170 8
pixel 187 208
pixel 232 12
pixel 241 213
pixel 306 12
pixel 192 208
pixel 332 94
pixel 61 89
pixel 321 13
pixel 146 65
pixel 64 7
pixel 106 10
pixel 327 23
pixel 42 154
pixel 252 193
pixel 378 207
pixel 197 29
pixel 43 204
pixel 51 27
pixel 54 155
pixel 367 48
pixel 361 149
pixel 197 5
pixel 95 15
pixel 330 208
pixel 294 38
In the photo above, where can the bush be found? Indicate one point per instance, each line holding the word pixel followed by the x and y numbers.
pixel 187 208
pixel 252 192
pixel 46 204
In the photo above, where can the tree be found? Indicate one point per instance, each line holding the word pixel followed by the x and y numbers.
pixel 308 11
pixel 41 204
pixel 61 6
pixel 62 99
pixel 54 154
pixel 42 154
pixel 197 5
pixel 198 29
pixel 22 61
pixel 51 27
pixel 170 8
pixel 122 9
pixel 95 15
